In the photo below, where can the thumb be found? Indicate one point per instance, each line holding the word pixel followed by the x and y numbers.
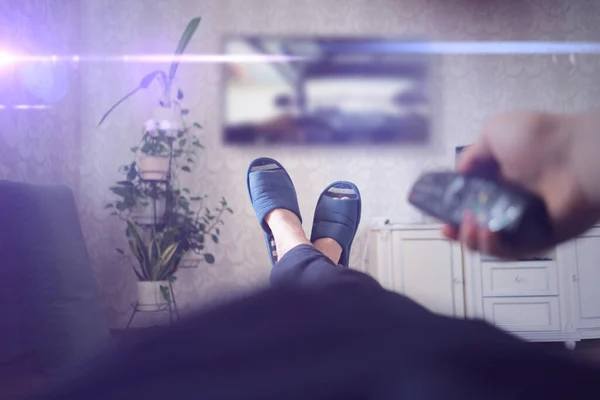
pixel 478 159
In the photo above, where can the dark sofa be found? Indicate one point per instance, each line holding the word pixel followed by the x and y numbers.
pixel 51 321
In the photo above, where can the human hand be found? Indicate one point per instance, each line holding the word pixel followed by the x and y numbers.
pixel 537 152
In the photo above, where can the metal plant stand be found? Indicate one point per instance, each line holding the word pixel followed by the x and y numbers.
pixel 154 187
pixel 170 307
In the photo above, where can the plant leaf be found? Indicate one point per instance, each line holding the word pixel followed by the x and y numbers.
pixel 140 250
pixel 209 258
pixel 144 84
pixel 215 238
pixel 179 94
pixel 183 42
pixel 164 290
pixel 139 276
pixel 132 173
pixel 186 168
pixel 197 125
pixel 168 254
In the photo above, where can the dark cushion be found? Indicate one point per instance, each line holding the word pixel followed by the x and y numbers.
pixel 44 253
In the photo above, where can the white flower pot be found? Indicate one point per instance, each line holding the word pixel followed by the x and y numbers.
pixel 167 119
pixel 154 168
pixel 145 215
pixel 150 297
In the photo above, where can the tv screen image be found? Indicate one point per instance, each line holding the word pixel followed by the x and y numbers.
pixel 330 91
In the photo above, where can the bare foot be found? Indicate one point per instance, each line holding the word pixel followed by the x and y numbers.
pixel 287 231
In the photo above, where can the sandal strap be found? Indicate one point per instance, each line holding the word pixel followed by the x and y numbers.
pixel 335 219
pixel 338 218
pixel 270 190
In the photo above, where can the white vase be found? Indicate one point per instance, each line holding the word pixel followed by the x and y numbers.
pixel 150 296
pixel 154 168
pixel 145 215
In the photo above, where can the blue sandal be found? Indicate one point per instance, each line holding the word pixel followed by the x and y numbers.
pixel 270 187
pixel 337 216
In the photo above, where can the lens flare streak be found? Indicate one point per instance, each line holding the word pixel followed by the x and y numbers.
pixel 26 107
pixel 399 47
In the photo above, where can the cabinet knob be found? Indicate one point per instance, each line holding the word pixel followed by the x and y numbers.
pixel 518 279
pixel 574 277
pixel 457 280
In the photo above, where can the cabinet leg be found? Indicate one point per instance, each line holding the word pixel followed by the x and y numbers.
pixel 570 344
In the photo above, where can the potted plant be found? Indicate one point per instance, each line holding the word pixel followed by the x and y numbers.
pixel 155 153
pixel 155 266
pixel 177 227
pixel 141 203
pixel 174 215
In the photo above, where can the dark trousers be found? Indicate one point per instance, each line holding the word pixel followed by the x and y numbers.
pixel 326 332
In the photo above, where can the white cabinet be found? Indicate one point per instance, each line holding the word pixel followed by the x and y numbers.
pixel 523 314
pixel 554 297
pixel 585 279
pixel 422 265
pixel 528 278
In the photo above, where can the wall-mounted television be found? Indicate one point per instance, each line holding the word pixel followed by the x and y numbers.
pixel 330 90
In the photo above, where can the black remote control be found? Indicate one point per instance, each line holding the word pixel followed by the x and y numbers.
pixel 519 216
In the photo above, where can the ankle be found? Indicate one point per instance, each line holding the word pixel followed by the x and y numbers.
pixel 283 217
pixel 286 229
pixel 330 248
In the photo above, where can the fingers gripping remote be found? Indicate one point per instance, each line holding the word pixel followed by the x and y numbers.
pixel 519 216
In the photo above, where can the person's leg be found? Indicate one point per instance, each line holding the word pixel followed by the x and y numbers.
pixel 346 339
pixel 301 263
pixel 336 220
pixel 330 248
pixel 294 258
pixel 287 231
pixel 343 341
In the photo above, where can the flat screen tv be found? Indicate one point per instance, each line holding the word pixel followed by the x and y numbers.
pixel 324 90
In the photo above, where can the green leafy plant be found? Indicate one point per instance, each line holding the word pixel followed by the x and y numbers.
pixel 155 257
pixel 154 145
pixel 187 221
pixel 166 79
pixel 188 224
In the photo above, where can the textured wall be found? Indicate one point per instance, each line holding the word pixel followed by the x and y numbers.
pixel 42 145
pixel 469 89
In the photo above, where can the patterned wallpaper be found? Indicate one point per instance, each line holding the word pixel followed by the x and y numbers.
pixel 42 145
pixel 468 90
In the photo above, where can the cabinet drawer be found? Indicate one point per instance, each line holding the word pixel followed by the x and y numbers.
pixel 528 278
pixel 523 314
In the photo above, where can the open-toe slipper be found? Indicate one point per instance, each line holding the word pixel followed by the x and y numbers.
pixel 270 187
pixel 337 216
